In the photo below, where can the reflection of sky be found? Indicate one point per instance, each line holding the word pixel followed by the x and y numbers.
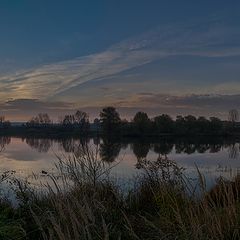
pixel 25 160
pixel 211 165
pixel 20 157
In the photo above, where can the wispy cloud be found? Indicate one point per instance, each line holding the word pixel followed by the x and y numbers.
pixel 206 105
pixel 193 100
pixel 152 103
pixel 209 39
pixel 24 109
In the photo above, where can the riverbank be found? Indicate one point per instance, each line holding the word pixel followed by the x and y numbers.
pixel 60 132
pixel 163 204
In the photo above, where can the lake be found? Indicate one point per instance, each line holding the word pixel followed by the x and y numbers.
pixel 213 157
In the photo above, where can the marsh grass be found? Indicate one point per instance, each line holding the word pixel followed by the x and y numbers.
pixel 163 204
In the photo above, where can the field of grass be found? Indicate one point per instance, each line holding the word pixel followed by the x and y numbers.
pixel 86 204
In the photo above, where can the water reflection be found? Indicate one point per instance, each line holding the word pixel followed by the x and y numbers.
pixel 70 145
pixel 140 150
pixel 42 145
pixel 31 154
pixel 4 140
pixel 163 148
pixel 109 150
pixel 233 151
pixel 214 148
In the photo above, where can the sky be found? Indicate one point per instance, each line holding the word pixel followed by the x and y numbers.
pixel 174 57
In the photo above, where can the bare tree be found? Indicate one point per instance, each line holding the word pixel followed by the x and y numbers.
pixel 42 119
pixel 4 123
pixel 79 119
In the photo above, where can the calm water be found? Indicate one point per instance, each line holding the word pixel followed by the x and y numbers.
pixel 214 157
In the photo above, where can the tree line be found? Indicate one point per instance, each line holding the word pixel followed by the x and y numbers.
pixel 110 123
pixel 142 125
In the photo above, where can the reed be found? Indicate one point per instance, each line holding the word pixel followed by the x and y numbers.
pixel 163 204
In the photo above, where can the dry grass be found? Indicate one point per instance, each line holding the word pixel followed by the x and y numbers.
pixel 162 205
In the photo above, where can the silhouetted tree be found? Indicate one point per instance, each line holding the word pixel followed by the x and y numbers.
pixel 126 127
pixel 82 121
pixel 142 123
pixel 110 120
pixel 96 124
pixel 190 123
pixel 41 120
pixel 216 125
pixel 180 125
pixel 68 120
pixel 203 125
pixel 78 120
pixel 163 124
pixel 4 123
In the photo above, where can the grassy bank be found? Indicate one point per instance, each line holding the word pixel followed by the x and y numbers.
pixel 84 203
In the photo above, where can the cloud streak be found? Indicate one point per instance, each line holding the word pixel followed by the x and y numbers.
pixel 152 103
pixel 51 82
pixel 24 109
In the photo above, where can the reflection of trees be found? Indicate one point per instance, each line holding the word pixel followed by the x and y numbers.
pixel 71 145
pixel 124 146
pixel 109 150
pixel 214 148
pixel 202 148
pixel 96 141
pixel 86 167
pixel 233 151
pixel 42 145
pixel 4 140
pixel 141 150
pixel 163 148
pixel 183 147
pixel 180 146
pixel 189 148
pixel 68 145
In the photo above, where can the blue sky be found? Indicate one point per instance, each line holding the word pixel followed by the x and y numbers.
pixel 177 57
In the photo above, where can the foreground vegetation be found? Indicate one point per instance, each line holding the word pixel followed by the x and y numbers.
pixel 83 202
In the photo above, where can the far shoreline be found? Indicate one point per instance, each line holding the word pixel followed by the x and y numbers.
pixel 59 132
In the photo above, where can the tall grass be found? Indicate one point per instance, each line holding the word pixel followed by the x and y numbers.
pixel 162 205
